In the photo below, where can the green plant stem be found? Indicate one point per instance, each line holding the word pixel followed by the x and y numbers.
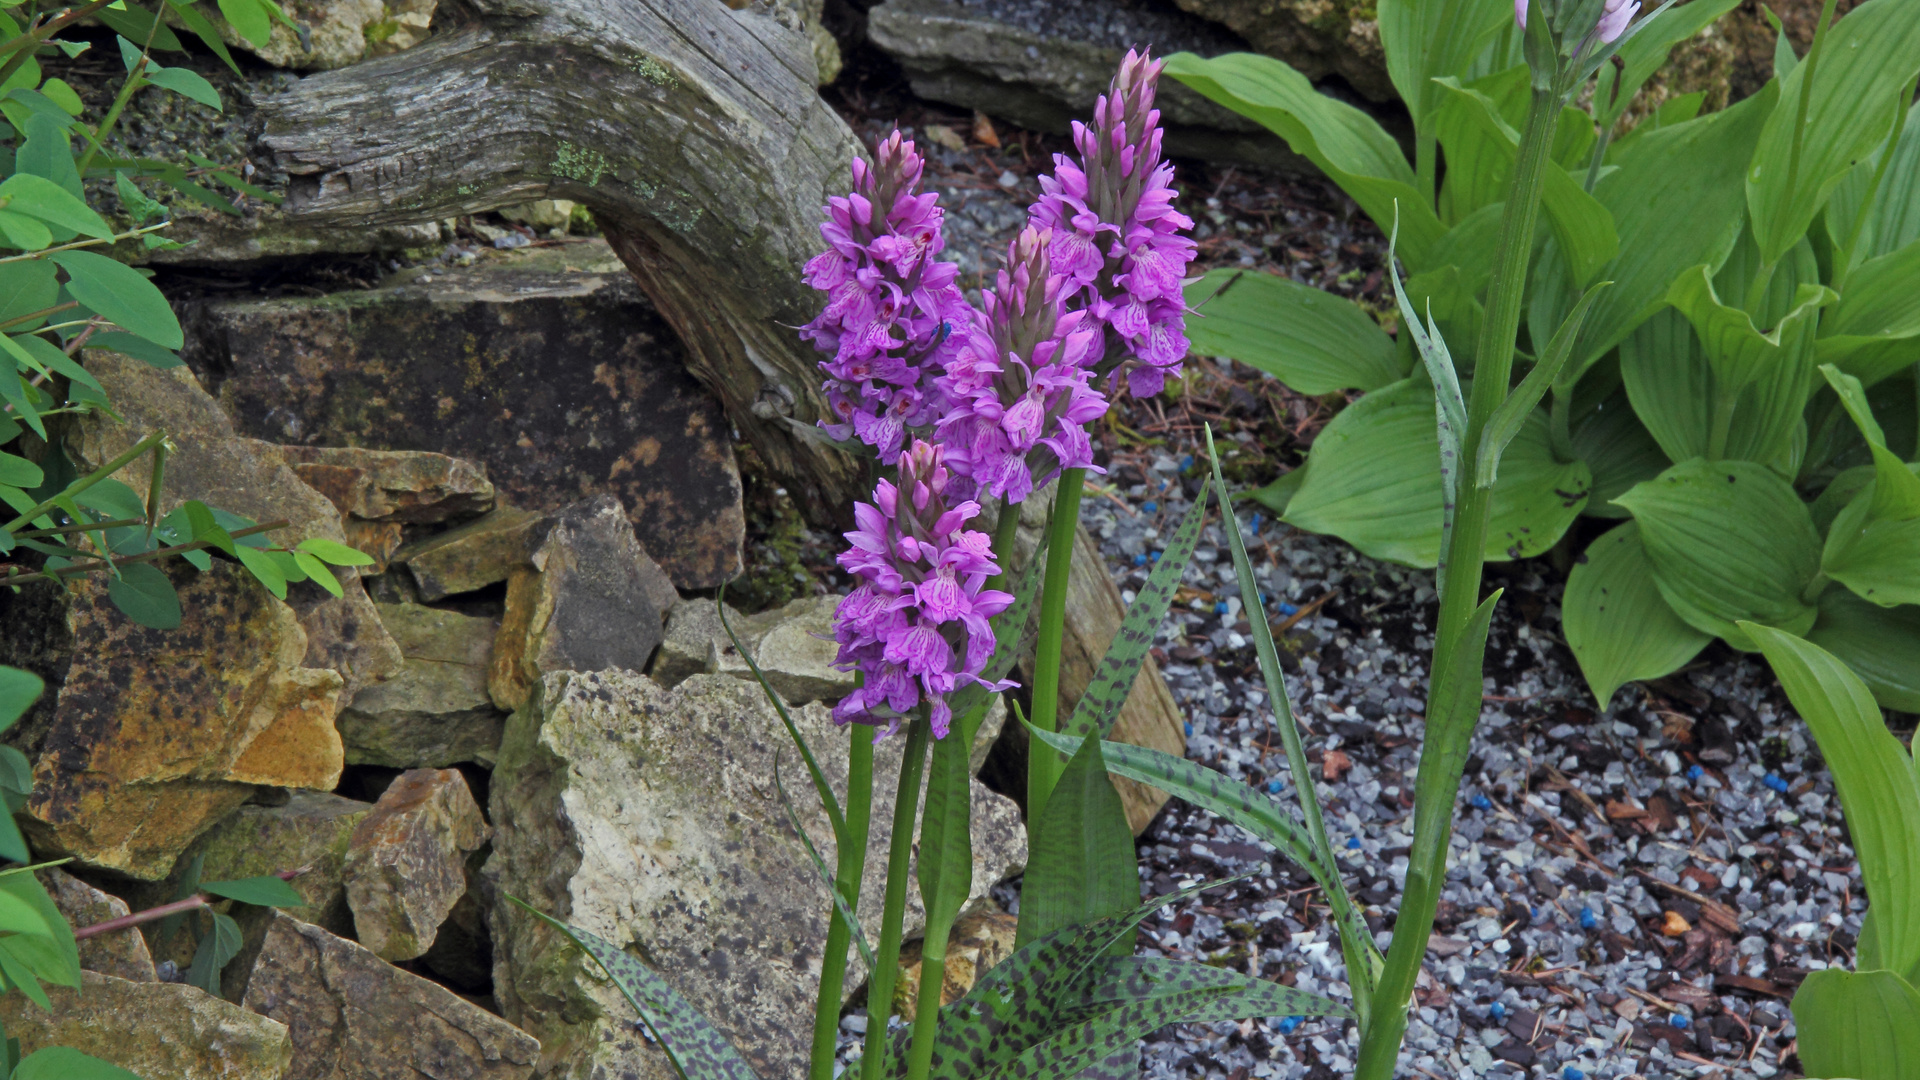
pixel 1599 157
pixel 127 90
pixel 851 857
pixel 1006 530
pixel 1433 819
pixel 893 916
pixel 88 480
pixel 926 1010
pixel 18 50
pixel 1043 764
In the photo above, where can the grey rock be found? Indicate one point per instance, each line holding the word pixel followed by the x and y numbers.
pixel 479 553
pixel 1316 37
pixel 436 712
pixel 406 861
pixel 589 601
pixel 646 816
pixel 1042 64
pixel 122 953
pixel 353 1016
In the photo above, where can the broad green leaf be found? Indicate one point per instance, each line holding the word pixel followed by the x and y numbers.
pixel 334 552
pixel 1113 680
pixel 1278 495
pixel 52 958
pixel 1581 225
pixel 23 232
pixel 118 292
pixel 113 499
pixel 29 194
pixel 1874 775
pixel 1082 866
pixel 18 691
pixel 1471 246
pixel 318 573
pixel 1730 541
pixel 20 472
pixel 1777 364
pixel 1676 203
pixel 697 1050
pixel 1876 643
pixel 1374 481
pixel 250 19
pixel 1867 58
pixel 1675 110
pixel 1425 39
pixel 1479 159
pixel 1896 494
pixel 144 594
pixel 1344 142
pixel 945 860
pixel 263 567
pixel 1616 446
pixel 1512 414
pixel 137 347
pixel 47 153
pixel 1895 214
pixel 1874 329
pixel 135 23
pixel 66 1063
pixel 216 948
pixel 27 286
pixel 1643 54
pixel 1671 385
pixel 1861 1025
pixel 266 891
pixel 187 83
pixel 1313 341
pixel 1878 559
pixel 1617 624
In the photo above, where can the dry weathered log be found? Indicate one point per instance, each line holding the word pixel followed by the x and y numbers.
pixel 693 133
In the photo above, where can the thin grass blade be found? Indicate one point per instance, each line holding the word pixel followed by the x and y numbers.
pixel 820 785
pixel 820 865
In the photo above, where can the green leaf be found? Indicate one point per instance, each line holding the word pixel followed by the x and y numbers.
pixel 249 18
pixel 262 566
pixel 113 499
pixel 1876 643
pixel 137 347
pixel 47 153
pixel 1113 681
pixel 334 552
pixel 27 286
pixel 1676 203
pixel 1617 624
pixel 190 17
pixel 1730 542
pixel 1513 412
pixel 52 958
pixel 1618 449
pixel 66 1063
pixel 29 194
pixel 1374 481
pixel 1874 775
pixel 118 292
pixel 213 954
pixel 1643 54
pixel 20 472
pixel 1313 341
pixel 1871 331
pixel 1345 143
pixel 144 594
pixel 63 95
pixel 187 83
pixel 1862 1025
pixel 16 773
pixel 1868 58
pixel 1426 39
pixel 1896 494
pixel 1278 495
pixel 1878 559
pixel 318 573
pixel 17 975
pixel 945 864
pixel 23 232
pixel 697 1050
pixel 1894 217
pixel 19 915
pixel 266 891
pixel 1778 363
pixel 135 23
pixel 18 691
pixel 1082 866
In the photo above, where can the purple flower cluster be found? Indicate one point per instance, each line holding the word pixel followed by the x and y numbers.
pixel 917 624
pixel 1118 243
pixel 1020 393
pixel 892 310
pixel 1615 15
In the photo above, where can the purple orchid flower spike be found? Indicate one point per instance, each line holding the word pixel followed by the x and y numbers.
pixel 892 309
pixel 917 626
pixel 1020 391
pixel 1118 243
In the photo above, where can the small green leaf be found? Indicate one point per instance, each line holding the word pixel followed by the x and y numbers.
pixel 136 23
pixel 190 17
pixel 113 499
pixel 266 891
pixel 334 552
pixel 52 958
pixel 318 573
pixel 29 194
pixel 203 525
pixel 215 950
pixel 20 472
pixel 1617 624
pixel 48 153
pixel 144 594
pixel 66 1063
pixel 58 92
pixel 27 286
pixel 263 566
pixel 23 232
pixel 137 347
pixel 16 772
pixel 250 19
pixel 118 292
pixel 186 83
pixel 1313 341
pixel 18 691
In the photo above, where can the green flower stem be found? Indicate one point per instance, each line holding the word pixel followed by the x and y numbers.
pixel 1426 153
pixel 1433 822
pixel 852 860
pixel 1005 532
pixel 1043 764
pixel 893 915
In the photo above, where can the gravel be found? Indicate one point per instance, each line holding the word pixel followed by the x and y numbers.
pixel 1632 892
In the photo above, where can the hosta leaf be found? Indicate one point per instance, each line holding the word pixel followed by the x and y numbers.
pixel 1729 541
pixel 1874 775
pixel 1113 680
pixel 1618 449
pixel 1871 331
pixel 1868 57
pixel 1618 625
pixel 1424 39
pixel 1375 483
pixel 1345 143
pixel 1879 560
pixel 1082 866
pixel 1313 341
pixel 697 1049
pixel 1876 643
pixel 1862 1025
